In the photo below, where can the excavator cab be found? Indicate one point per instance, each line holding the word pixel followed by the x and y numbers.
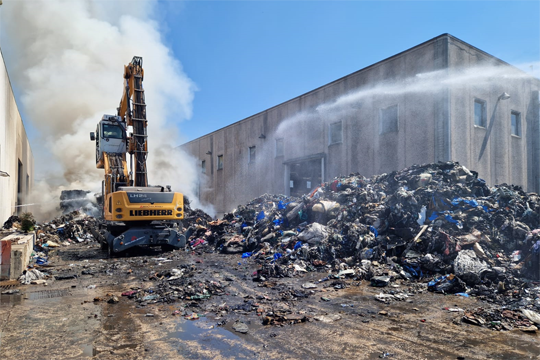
pixel 110 137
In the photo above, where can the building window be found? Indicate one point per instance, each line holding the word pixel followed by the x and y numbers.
pixel 220 162
pixel 480 116
pixel 203 166
pixel 516 123
pixel 388 120
pixel 336 133
pixel 20 178
pixel 251 154
pixel 279 147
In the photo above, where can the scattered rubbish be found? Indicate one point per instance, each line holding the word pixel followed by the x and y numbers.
pixel 328 318
pixel 435 227
pixel 31 275
pixel 532 315
pixel 380 281
pixel 387 298
pixel 454 309
pixel 499 319
pixel 531 328
pixel 41 261
pixel 39 282
pixel 469 268
pixel 309 286
pixel 240 327
pixel 10 292
pixel 314 234
pixel 438 221
pixel 192 316
pixel 348 272
pixel 449 284
pixel 65 277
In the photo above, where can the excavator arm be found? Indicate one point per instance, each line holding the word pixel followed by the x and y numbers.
pixel 136 118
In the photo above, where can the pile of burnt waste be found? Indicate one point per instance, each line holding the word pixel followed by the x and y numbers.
pixel 438 224
pixel 74 227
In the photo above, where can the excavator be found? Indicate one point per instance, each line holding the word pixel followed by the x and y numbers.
pixel 135 213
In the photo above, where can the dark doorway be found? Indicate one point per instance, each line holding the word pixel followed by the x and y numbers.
pixel 20 185
pixel 305 176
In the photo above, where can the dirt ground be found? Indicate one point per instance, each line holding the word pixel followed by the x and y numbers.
pixel 62 320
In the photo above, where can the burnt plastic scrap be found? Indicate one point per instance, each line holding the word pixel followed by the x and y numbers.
pixel 437 222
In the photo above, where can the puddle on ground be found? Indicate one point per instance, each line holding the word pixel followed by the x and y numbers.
pixel 47 294
pixel 13 299
pixel 89 350
pixel 210 337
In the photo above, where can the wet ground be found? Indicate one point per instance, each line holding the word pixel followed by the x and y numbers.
pixel 62 320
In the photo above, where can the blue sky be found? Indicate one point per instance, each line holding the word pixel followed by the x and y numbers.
pixel 247 56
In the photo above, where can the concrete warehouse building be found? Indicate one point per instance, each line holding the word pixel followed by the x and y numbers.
pixel 16 159
pixel 438 101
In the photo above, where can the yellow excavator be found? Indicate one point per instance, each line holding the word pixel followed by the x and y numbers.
pixel 135 213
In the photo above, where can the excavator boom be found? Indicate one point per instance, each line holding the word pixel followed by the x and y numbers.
pixel 136 117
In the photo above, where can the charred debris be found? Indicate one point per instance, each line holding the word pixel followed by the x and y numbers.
pixel 436 227
pixel 436 219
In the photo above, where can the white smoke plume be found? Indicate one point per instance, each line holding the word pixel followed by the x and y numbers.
pixel 67 58
pixel 422 83
pixel 532 68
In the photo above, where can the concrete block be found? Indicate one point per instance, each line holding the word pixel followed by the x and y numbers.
pixel 22 246
pixel 17 260
pixel 5 259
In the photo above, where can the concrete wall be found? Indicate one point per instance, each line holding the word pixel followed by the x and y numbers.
pixel 432 126
pixel 14 148
pixel 505 158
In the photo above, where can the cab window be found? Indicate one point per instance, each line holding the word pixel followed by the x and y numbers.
pixel 112 131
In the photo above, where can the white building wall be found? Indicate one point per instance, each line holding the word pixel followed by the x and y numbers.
pixel 14 147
